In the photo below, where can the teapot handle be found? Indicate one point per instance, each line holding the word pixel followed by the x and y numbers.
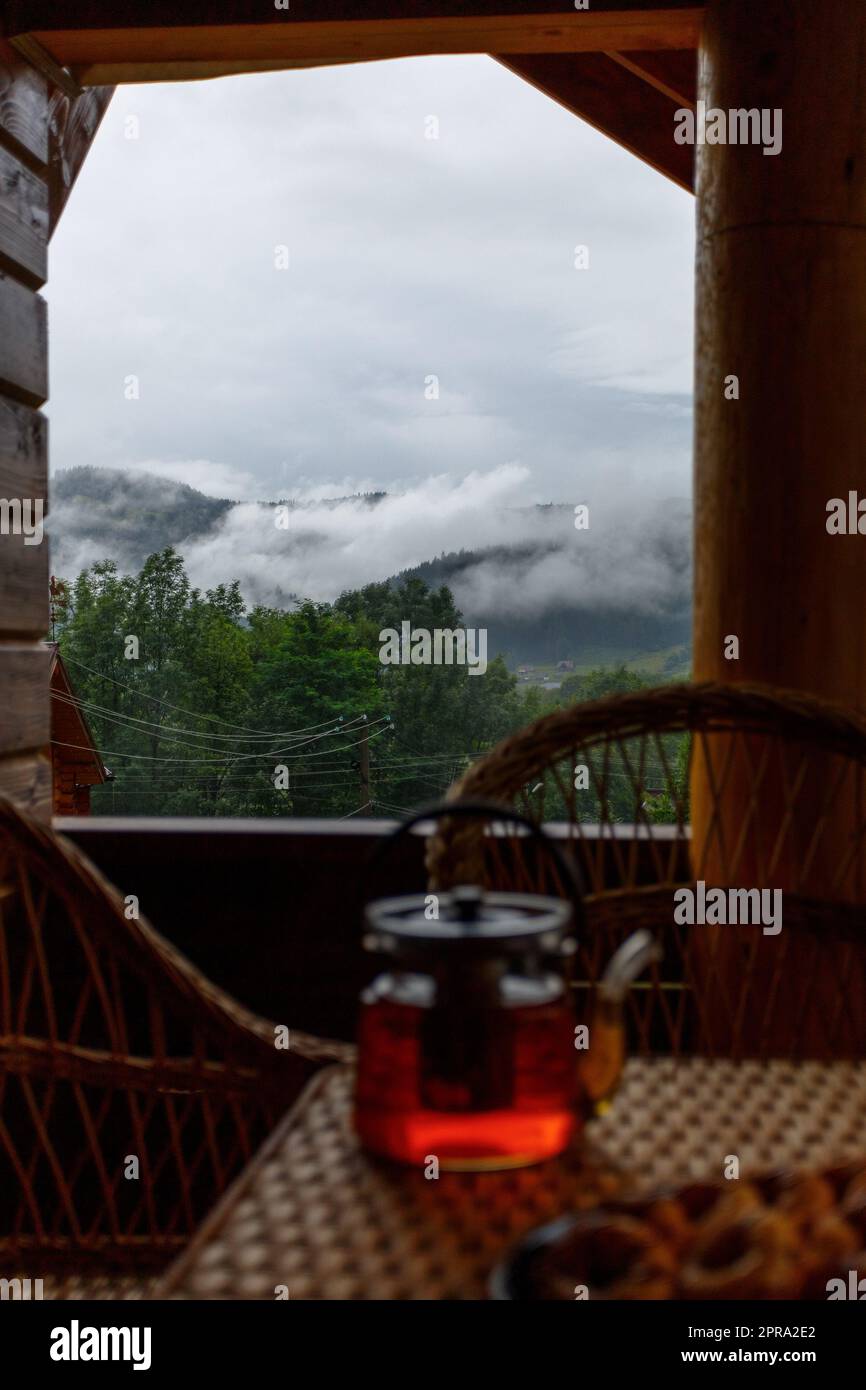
pixel 569 869
pixel 600 1066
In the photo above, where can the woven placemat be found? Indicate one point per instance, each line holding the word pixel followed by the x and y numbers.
pixel 316 1215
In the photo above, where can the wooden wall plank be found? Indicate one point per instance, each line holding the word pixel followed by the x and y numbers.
pixel 24 569
pixel 23 343
pixel 27 781
pixel 23 109
pixel 23 222
pixel 24 674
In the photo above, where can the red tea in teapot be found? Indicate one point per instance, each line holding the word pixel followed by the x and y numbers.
pixel 466 1046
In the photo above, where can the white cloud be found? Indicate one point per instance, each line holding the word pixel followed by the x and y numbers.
pixel 408 256
pixel 214 479
pixel 628 354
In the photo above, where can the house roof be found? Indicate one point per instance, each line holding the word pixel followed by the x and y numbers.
pixel 70 731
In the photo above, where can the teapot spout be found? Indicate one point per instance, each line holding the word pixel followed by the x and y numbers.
pixel 600 1066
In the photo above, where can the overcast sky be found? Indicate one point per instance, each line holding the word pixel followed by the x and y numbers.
pixel 408 257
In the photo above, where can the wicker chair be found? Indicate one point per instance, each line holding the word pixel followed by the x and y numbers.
pixel 720 991
pixel 132 1089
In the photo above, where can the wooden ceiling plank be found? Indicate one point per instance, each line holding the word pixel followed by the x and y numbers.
pixel 615 102
pixel 98 75
pixel 120 14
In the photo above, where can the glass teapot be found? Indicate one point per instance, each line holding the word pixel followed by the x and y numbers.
pixel 469 1050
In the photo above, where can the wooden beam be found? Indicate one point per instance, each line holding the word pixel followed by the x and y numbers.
pixel 32 52
pixel 109 42
pixel 615 102
pixel 73 123
pixel 164 14
pixel 674 73
pixel 192 71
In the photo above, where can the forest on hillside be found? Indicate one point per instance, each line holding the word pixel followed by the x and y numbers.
pixel 202 706
pixel 623 592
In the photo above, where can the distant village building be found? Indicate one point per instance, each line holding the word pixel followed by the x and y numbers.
pixel 76 762
pixel 565 665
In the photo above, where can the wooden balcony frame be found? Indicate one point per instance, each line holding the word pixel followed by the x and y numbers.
pixel 781 278
pixel 303 883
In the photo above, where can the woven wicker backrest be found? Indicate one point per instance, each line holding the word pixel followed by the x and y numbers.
pixel 131 1088
pixel 757 755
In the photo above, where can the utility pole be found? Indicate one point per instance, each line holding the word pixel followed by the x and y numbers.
pixel 364 807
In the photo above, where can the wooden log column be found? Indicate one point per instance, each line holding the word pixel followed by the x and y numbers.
pixel 25 770
pixel 44 137
pixel 781 306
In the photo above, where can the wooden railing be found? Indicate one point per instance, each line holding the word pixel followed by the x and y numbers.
pixel 272 910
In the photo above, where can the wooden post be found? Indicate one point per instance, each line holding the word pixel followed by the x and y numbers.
pixel 44 137
pixel 25 770
pixel 781 305
pixel 781 308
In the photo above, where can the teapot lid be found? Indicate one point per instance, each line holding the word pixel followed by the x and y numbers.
pixel 468 920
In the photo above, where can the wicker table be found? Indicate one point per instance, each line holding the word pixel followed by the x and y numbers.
pixel 315 1214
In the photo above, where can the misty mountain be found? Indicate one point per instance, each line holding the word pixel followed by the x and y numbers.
pixel 562 630
pixel 544 590
pixel 102 513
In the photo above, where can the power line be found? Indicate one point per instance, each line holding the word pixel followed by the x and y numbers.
pixel 389 806
pixel 105 712
pixel 165 733
pixel 238 757
pixel 143 695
